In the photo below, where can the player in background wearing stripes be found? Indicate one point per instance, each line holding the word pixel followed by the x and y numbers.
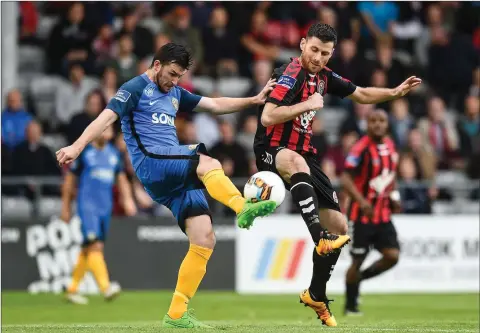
pixel 369 180
pixel 282 145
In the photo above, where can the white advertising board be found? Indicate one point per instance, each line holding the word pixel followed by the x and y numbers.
pixel 438 254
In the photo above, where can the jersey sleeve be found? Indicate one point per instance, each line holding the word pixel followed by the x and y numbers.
pixel 339 86
pixel 126 98
pixel 77 166
pixel 188 101
pixel 289 84
pixel 354 159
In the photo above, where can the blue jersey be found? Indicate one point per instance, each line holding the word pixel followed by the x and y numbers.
pixel 96 170
pixel 148 115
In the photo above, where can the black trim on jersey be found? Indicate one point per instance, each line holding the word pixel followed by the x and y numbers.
pixel 156 156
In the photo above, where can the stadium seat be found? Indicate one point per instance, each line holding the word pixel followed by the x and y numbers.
pixel 50 206
pixel 31 59
pixel 43 90
pixel 16 207
pixel 45 26
pixel 54 141
pixel 332 117
pixel 204 84
pixel 233 87
pixel 153 24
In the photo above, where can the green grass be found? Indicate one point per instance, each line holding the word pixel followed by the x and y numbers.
pixel 142 312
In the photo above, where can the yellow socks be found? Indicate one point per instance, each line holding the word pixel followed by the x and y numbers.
pixel 191 273
pixel 221 188
pixel 96 264
pixel 78 272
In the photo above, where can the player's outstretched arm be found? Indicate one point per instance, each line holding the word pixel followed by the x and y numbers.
pixel 224 105
pixel 373 95
pixel 68 154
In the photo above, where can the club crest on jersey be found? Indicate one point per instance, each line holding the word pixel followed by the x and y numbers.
pixel 321 87
pixel 149 91
pixel 175 103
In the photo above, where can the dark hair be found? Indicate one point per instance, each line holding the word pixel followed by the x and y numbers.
pixel 324 32
pixel 173 53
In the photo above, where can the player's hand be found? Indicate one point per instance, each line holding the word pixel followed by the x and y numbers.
pixel 396 207
pixel 366 208
pixel 130 208
pixel 262 96
pixel 407 85
pixel 67 155
pixel 315 101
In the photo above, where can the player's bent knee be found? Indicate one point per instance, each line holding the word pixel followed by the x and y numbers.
pixel 289 163
pixel 300 165
pixel 95 246
pixel 334 221
pixel 207 164
pixel 200 232
pixel 391 256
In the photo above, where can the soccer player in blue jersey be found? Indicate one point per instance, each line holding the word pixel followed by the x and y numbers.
pixel 94 174
pixel 175 175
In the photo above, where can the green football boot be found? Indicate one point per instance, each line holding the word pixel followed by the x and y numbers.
pixel 188 320
pixel 253 210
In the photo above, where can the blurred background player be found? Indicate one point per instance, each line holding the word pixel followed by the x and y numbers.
pixel 175 175
pixel 92 177
pixel 283 145
pixel 370 181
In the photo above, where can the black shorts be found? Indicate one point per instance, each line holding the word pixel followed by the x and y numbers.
pixel 366 236
pixel 327 197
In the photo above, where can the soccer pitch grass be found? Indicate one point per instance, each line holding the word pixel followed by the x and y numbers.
pixel 143 311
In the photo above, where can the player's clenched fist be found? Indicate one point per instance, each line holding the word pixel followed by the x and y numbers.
pixel 67 155
pixel 315 101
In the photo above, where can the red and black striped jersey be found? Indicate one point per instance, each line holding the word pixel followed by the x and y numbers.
pixel 373 167
pixel 295 85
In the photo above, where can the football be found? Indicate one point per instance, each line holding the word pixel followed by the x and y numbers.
pixel 265 185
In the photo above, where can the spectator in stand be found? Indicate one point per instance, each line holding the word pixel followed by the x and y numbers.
pixel 142 37
pixel 393 68
pixel 415 197
pixel 329 169
pixel 408 28
pixel 103 47
pixel 349 63
pixel 95 103
pixel 339 152
pixel 357 123
pixel 180 31
pixel 70 42
pixel 434 19
pixel 377 17
pixel 28 22
pixel 71 95
pixel 125 62
pixel 228 149
pixel 379 79
pixel 220 46
pixel 452 65
pixel 32 158
pixel 257 41
pixel 401 122
pixel 438 131
pixel 109 83
pixel 468 126
pixel 423 155
pixel 348 20
pixel 14 120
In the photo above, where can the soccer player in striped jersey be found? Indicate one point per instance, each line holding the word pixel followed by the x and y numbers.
pixel 282 145
pixel 370 181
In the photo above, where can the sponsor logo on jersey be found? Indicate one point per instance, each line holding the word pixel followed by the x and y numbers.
pixel 162 118
pixel 122 96
pixel 337 76
pixel 286 81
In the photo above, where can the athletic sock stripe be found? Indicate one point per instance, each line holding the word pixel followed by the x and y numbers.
pixel 300 183
pixel 308 209
pixel 306 201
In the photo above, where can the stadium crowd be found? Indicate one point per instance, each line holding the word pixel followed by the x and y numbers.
pixel 94 47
